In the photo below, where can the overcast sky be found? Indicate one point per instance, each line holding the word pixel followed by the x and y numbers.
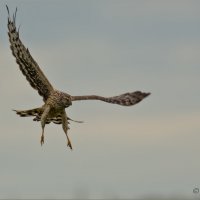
pixel 106 48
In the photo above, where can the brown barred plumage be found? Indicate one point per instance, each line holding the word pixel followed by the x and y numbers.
pixel 127 99
pixel 55 101
pixel 37 112
pixel 26 63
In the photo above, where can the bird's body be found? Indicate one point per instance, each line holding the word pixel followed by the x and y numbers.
pixel 55 101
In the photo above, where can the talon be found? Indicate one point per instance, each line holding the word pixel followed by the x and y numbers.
pixel 69 144
pixel 42 140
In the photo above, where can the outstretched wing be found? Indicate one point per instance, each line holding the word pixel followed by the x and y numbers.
pixel 26 63
pixel 127 99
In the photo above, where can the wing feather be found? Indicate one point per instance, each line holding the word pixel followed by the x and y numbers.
pixel 27 64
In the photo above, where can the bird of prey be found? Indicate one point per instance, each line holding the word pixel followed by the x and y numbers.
pixel 55 101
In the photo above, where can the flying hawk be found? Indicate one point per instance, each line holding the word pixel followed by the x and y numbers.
pixel 55 101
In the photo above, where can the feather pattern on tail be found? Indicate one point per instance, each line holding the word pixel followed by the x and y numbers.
pixel 37 113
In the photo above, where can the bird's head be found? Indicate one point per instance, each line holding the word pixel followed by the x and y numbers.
pixel 66 100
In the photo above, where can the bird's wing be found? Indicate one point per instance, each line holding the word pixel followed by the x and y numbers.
pixel 127 99
pixel 26 63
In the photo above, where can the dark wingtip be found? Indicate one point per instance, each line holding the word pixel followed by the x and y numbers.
pixel 8 13
pixel 144 94
pixel 7 9
pixel 14 15
pixel 147 94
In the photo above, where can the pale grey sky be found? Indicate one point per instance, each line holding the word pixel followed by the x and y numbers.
pixel 107 48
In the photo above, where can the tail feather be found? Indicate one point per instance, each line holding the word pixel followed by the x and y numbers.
pixel 55 120
pixel 37 113
pixel 29 113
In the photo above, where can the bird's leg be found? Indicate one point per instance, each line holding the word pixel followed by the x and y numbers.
pixel 69 144
pixel 43 122
pixel 42 137
pixel 65 128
